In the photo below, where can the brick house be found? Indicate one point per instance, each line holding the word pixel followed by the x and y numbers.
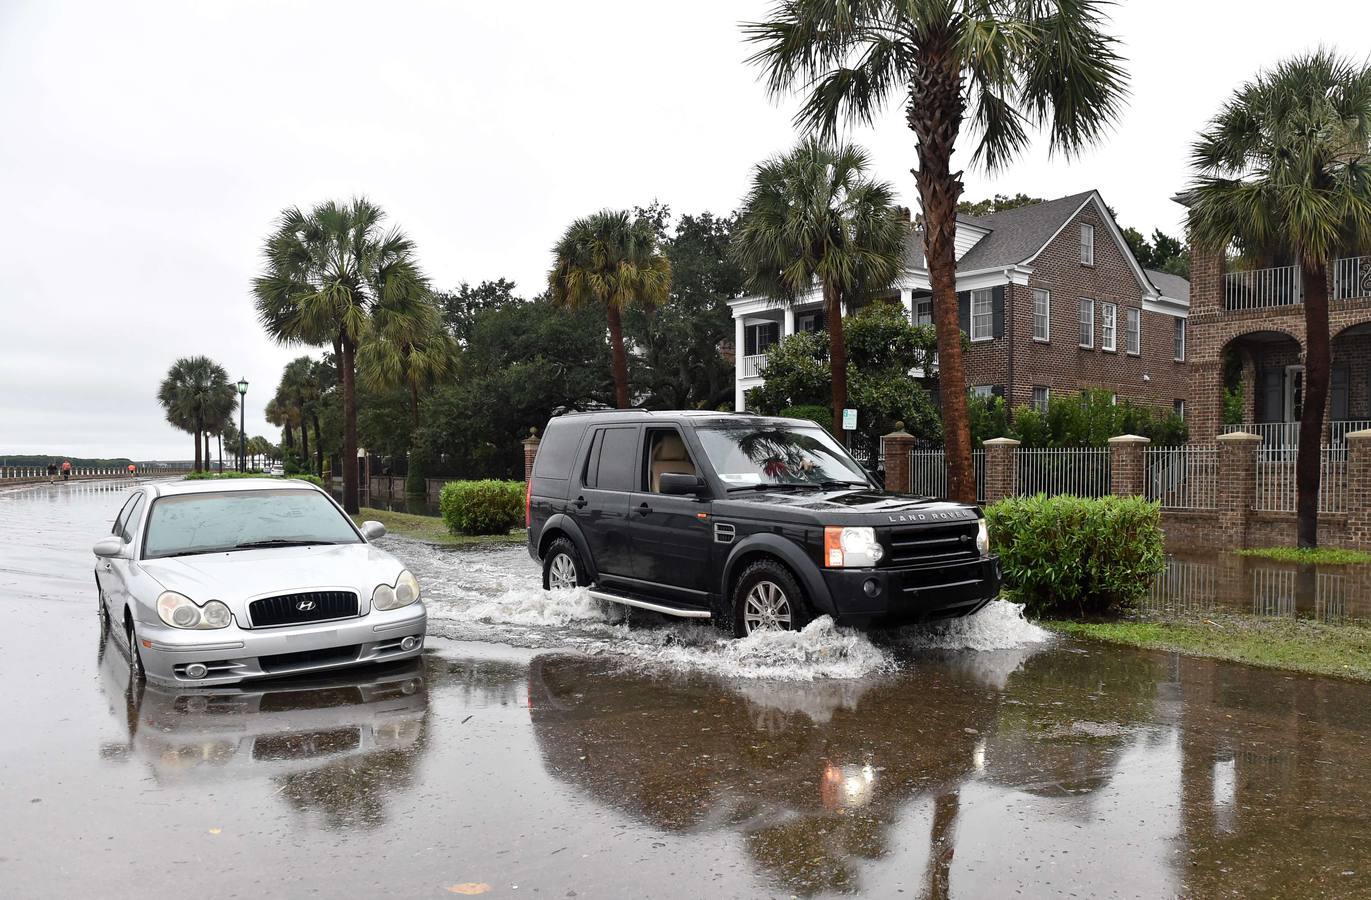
pixel 1255 316
pixel 1051 298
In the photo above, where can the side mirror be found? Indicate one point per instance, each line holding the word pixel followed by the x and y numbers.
pixel 371 530
pixel 680 484
pixel 108 546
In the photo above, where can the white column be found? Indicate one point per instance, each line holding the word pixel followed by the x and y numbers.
pixel 907 301
pixel 788 325
pixel 738 345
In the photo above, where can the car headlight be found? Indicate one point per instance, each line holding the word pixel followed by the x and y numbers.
pixel 404 592
pixel 179 611
pixel 983 539
pixel 851 547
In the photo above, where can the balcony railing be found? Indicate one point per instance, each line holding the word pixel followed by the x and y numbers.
pixel 1283 286
pixel 754 366
pixel 1286 435
pixel 1262 288
pixel 1352 277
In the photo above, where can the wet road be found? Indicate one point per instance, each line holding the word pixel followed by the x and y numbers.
pixel 602 758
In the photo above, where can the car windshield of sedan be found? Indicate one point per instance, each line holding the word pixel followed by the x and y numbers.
pixel 753 458
pixel 185 524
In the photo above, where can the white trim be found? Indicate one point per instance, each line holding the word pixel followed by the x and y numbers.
pixel 1079 323
pixel 1167 306
pixel 1109 326
pixel 987 295
pixel 1047 318
pixel 1128 318
pixel 1087 230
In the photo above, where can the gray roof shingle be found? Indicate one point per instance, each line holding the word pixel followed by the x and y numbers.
pixel 1015 234
pixel 1173 286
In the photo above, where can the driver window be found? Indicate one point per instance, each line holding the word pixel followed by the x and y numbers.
pixel 118 528
pixel 131 523
pixel 666 453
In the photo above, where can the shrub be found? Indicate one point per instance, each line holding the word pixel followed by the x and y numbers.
pixel 482 507
pixel 206 476
pixel 820 415
pixel 1069 555
pixel 312 479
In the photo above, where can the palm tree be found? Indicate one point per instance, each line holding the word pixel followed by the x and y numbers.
pixel 1011 64
pixel 1285 170
pixel 194 395
pixel 411 351
pixel 327 274
pixel 610 260
pixel 813 217
pixel 299 391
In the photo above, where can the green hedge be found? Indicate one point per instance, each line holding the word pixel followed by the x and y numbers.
pixel 1071 556
pixel 206 476
pixel 482 507
pixel 312 479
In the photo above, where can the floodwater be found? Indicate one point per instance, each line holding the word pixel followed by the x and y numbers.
pixel 1225 582
pixel 548 748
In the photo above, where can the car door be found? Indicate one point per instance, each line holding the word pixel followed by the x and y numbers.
pixel 118 567
pixel 672 534
pixel 600 503
pixel 105 575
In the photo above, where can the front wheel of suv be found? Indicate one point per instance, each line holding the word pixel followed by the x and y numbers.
pixel 562 567
pixel 766 597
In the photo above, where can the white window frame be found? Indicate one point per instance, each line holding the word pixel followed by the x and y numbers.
pixel 1178 407
pixel 985 298
pixel 1087 322
pixel 1034 403
pixel 1109 326
pixel 983 390
pixel 1043 316
pixel 1087 244
pixel 1178 340
pixel 1134 331
pixel 920 317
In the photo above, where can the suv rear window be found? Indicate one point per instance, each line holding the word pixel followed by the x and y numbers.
pixel 558 449
pixel 610 463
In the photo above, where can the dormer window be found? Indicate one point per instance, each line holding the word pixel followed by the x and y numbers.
pixel 1087 245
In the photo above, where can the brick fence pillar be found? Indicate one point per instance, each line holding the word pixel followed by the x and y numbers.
pixel 1126 469
pixel 1359 489
pixel 530 453
pixel 999 469
pixel 895 449
pixel 1237 488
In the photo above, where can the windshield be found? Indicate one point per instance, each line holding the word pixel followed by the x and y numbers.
pixel 183 524
pixel 751 457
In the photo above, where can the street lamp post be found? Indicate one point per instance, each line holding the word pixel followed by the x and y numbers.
pixel 242 435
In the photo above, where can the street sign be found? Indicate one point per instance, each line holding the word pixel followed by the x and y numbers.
pixel 849 420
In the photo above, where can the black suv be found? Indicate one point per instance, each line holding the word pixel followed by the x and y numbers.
pixel 751 521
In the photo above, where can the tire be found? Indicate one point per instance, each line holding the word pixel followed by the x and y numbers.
pixel 101 611
pixel 562 567
pixel 136 673
pixel 766 596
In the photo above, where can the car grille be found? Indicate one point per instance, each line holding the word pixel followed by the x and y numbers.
pixel 286 609
pixel 926 546
pixel 285 662
pixel 276 747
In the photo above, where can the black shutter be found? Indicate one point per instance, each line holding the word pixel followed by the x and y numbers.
pixel 1270 394
pixel 1338 402
pixel 997 390
pixel 964 311
pixel 997 307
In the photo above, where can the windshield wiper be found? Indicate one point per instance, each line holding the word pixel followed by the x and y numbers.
pixel 843 484
pixel 769 486
pixel 279 542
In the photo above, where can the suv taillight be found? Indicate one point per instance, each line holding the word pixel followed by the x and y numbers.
pixel 528 504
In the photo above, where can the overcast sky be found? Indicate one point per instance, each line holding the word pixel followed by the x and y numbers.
pixel 147 148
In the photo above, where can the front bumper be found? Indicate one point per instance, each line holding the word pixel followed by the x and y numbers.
pixel 913 594
pixel 235 654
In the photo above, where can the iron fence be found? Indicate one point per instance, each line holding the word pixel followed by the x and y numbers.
pixel 1352 277
pixel 1276 487
pixel 1082 471
pixel 928 473
pixel 1262 288
pixel 1182 477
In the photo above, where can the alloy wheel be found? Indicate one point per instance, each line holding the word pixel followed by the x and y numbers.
pixel 766 608
pixel 562 573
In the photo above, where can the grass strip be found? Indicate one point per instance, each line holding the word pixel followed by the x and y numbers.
pixel 1296 645
pixel 432 530
pixel 1322 556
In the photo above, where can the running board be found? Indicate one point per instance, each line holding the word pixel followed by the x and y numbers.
pixel 655 607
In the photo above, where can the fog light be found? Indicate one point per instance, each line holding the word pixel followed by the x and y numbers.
pixel 409 643
pixel 196 670
pixel 871 587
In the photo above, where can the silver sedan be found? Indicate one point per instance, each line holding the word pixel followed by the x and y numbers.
pixel 218 581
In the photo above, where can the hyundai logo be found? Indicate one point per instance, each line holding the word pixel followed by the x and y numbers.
pixel 305 605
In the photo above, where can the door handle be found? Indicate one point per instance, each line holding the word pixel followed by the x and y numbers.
pixel 579 503
pixel 644 509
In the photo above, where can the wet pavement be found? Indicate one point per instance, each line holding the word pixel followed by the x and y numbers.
pixel 546 747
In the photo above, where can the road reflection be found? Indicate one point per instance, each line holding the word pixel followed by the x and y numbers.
pixel 1191 585
pixel 335 746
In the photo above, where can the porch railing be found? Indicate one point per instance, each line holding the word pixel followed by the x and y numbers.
pixel 1083 471
pixel 1338 431
pixel 1276 489
pixel 1352 277
pixel 1262 288
pixel 754 366
pixel 1182 477
pixel 1286 435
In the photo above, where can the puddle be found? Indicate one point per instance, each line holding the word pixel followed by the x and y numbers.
pixel 1225 582
pixel 496 595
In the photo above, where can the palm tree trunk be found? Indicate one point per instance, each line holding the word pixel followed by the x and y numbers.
pixel 304 439
pixel 289 435
pixel 1317 361
pixel 616 345
pixel 349 462
pixel 837 356
pixel 197 444
pixel 935 115
pixel 318 447
pixel 219 438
